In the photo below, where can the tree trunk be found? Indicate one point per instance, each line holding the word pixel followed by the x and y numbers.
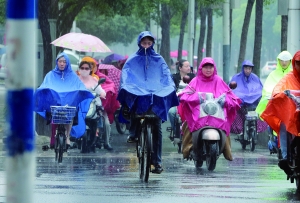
pixel 284 28
pixel 209 32
pixel 243 41
pixel 203 13
pixel 165 33
pixel 195 25
pixel 258 36
pixel 182 28
pixel 43 8
pixel 43 14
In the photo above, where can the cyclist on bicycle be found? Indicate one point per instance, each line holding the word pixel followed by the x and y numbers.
pixel 184 69
pixel 249 88
pixel 146 85
pixel 60 87
pixel 280 112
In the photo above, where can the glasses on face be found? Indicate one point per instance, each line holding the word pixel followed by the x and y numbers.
pixel 84 68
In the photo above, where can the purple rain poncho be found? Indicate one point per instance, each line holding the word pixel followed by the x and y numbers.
pixel 249 90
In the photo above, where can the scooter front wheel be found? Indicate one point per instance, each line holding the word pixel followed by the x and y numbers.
pixel 252 139
pixel 211 155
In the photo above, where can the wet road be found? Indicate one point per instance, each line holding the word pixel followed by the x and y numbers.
pixel 113 177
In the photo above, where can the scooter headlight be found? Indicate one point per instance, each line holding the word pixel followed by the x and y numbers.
pixel 210 108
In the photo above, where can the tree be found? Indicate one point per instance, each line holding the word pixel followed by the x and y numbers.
pixel 284 28
pixel 244 34
pixel 67 10
pixel 165 33
pixel 117 29
pixel 258 36
pixel 2 11
pixel 43 7
pixel 209 32
pixel 184 16
pixel 203 14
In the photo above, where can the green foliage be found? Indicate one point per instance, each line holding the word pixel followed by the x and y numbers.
pixel 271 31
pixel 120 29
pixel 2 11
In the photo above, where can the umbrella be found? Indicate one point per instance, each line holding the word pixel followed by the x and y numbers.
pixel 113 73
pixel 113 58
pixel 81 42
pixel 174 54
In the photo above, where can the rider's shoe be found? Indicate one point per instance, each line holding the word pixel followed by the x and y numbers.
pixel 171 138
pixel 108 147
pixel 131 139
pixel 158 169
pixel 284 165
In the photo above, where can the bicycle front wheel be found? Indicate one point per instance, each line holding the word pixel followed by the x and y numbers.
pixel 147 152
pixel 140 153
pixel 60 148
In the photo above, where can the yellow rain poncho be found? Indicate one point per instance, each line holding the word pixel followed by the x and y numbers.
pixel 273 78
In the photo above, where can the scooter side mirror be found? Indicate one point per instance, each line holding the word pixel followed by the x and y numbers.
pixel 186 79
pixel 101 80
pixel 232 85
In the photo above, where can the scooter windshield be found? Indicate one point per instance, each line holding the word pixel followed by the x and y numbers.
pixel 210 106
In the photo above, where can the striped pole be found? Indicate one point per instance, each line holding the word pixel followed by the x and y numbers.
pixel 21 28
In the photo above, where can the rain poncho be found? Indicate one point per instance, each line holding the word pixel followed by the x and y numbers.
pixel 61 88
pixel 146 82
pixel 281 108
pixel 110 103
pixel 249 89
pixel 191 104
pixel 272 80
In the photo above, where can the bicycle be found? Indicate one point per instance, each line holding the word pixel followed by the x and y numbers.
pixel 175 135
pixel 61 115
pixel 144 145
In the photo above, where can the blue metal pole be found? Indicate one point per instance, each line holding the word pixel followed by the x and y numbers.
pixel 21 28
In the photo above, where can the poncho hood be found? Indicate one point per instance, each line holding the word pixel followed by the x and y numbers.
pixel 273 78
pixel 61 88
pixel 249 88
pixel 146 82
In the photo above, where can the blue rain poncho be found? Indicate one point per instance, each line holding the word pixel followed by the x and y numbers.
pixel 61 88
pixel 146 82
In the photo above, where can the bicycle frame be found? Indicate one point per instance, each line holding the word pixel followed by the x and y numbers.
pixel 144 145
pixel 60 140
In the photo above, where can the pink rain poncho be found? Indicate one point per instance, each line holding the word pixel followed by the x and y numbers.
pixel 190 103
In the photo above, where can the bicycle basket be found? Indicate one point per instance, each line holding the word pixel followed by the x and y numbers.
pixel 62 114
